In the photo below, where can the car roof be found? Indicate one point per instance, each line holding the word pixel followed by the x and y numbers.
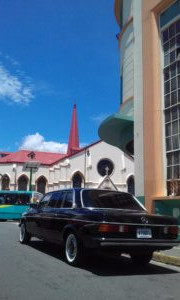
pixel 82 189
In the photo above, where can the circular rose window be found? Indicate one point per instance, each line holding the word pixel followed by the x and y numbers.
pixel 105 167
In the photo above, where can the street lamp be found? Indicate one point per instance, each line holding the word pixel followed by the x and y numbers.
pixel 32 166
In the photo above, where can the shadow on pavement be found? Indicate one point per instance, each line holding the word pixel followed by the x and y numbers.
pixel 104 265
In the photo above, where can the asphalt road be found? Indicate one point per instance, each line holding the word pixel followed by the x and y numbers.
pixel 38 271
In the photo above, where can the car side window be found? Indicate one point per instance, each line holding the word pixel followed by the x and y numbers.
pixel 53 200
pixel 2 200
pixel 44 201
pixel 60 198
pixel 68 201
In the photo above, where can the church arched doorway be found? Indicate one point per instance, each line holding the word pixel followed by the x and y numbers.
pixel 5 182
pixel 41 184
pixel 22 183
pixel 77 180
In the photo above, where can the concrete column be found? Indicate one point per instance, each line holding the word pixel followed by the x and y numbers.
pixel 138 101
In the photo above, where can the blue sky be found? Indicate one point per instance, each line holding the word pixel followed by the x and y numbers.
pixel 54 53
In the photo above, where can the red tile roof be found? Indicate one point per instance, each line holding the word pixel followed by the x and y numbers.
pixel 45 158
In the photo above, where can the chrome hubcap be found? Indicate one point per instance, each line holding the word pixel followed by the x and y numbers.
pixel 71 247
pixel 22 232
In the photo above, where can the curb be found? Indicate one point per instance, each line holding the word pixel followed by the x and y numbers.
pixel 166 259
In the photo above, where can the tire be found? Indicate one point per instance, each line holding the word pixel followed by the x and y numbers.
pixel 73 250
pixel 24 236
pixel 141 259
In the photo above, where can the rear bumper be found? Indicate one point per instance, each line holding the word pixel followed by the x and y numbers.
pixel 139 244
pixel 132 244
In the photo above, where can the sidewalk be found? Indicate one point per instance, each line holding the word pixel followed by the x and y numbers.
pixel 171 257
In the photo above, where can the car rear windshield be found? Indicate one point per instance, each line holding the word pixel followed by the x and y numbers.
pixel 109 199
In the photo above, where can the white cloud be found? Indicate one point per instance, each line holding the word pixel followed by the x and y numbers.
pixel 99 118
pixel 37 142
pixel 13 88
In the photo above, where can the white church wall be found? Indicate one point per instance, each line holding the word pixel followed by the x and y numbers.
pixel 85 162
pixel 60 174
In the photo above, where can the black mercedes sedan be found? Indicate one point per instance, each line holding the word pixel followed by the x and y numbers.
pixel 82 219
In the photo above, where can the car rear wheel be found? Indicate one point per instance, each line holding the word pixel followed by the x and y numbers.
pixel 24 236
pixel 73 250
pixel 141 258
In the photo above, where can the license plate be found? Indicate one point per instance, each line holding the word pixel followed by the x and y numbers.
pixel 144 233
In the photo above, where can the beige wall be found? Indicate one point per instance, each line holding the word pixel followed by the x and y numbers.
pixel 153 131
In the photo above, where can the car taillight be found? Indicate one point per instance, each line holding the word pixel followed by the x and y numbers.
pixel 171 230
pixel 113 228
pixel 174 230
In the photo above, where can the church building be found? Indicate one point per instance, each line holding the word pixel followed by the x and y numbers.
pixel 98 165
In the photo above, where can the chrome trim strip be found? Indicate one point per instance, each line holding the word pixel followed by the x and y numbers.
pixel 157 244
pixel 102 222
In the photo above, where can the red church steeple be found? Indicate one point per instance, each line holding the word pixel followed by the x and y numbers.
pixel 73 145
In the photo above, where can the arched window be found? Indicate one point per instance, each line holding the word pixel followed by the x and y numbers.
pixel 131 185
pixel 5 182
pixel 22 183
pixel 41 185
pixel 105 167
pixel 77 180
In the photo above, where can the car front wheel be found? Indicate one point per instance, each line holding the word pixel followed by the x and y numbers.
pixel 73 250
pixel 24 236
pixel 141 258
